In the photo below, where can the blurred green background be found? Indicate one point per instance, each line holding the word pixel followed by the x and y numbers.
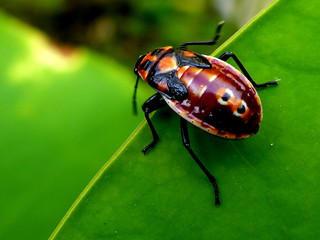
pixel 124 29
pixel 66 85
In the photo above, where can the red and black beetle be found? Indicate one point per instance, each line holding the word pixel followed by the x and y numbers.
pixel 206 91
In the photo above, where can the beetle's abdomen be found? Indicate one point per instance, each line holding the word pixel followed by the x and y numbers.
pixel 220 100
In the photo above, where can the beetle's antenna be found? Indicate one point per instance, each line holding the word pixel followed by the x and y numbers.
pixel 134 101
pixel 212 42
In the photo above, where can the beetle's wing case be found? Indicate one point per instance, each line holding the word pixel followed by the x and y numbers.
pixel 221 100
pixel 162 66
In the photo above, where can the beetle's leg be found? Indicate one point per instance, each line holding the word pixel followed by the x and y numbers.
pixel 228 55
pixel 152 104
pixel 212 42
pixel 186 144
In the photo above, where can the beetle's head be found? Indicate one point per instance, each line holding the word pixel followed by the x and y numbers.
pixel 138 63
pixel 143 65
pixel 146 62
pixel 136 72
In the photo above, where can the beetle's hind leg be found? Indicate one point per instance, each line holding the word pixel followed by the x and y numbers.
pixel 186 144
pixel 228 55
pixel 152 104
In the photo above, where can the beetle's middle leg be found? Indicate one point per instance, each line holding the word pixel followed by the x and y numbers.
pixel 152 104
pixel 228 55
pixel 186 144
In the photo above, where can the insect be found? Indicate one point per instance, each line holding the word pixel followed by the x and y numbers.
pixel 203 90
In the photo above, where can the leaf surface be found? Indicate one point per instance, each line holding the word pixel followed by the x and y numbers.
pixel 269 182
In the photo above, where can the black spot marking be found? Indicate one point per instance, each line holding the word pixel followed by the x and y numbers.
pixel 241 109
pixel 226 97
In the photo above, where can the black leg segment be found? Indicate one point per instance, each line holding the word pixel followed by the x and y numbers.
pixel 186 144
pixel 211 42
pixel 152 104
pixel 228 55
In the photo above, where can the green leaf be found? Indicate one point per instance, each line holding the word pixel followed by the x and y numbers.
pixel 63 112
pixel 269 182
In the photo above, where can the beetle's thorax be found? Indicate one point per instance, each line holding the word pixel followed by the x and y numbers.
pixel 150 60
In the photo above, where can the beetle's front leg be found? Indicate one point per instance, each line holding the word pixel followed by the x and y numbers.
pixel 152 104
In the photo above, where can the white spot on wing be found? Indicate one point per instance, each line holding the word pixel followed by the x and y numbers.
pixel 213 77
pixel 202 89
pixel 191 80
pixel 182 70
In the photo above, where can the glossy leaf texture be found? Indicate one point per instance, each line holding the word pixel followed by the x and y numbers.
pixel 63 111
pixel 269 182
